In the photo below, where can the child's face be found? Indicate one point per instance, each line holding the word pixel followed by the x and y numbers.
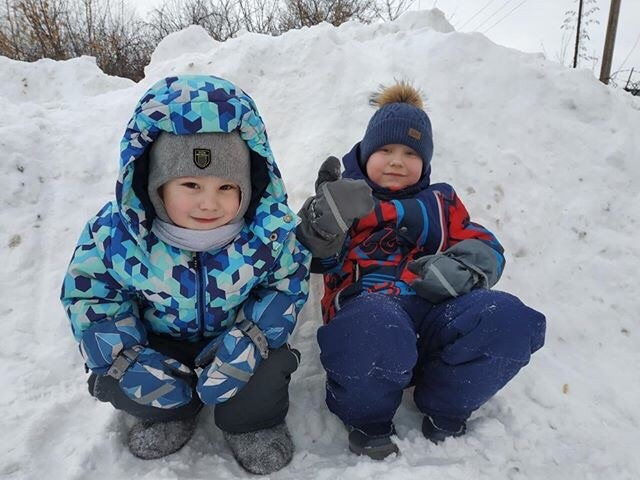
pixel 200 203
pixel 394 166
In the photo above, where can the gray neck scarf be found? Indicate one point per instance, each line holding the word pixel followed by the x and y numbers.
pixel 196 240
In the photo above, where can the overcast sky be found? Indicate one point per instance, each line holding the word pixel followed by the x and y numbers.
pixel 532 26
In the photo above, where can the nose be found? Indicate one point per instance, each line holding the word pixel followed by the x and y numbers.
pixel 208 202
pixel 396 159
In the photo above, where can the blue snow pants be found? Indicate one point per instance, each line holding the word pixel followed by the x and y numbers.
pixel 458 353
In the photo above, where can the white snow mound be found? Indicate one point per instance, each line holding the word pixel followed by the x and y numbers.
pixel 544 156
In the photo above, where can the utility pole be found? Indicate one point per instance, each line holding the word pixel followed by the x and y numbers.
pixel 607 55
pixel 575 52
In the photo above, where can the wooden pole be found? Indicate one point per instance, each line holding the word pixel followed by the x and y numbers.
pixel 577 48
pixel 607 54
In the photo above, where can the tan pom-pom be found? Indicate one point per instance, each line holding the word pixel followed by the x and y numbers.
pixel 401 92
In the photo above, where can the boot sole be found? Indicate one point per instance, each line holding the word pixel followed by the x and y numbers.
pixel 376 453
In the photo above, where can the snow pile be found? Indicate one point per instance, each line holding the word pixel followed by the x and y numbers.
pixel 47 81
pixel 544 156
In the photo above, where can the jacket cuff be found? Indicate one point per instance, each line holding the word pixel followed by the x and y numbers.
pixel 274 313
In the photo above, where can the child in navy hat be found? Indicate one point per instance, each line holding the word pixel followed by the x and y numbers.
pixel 408 280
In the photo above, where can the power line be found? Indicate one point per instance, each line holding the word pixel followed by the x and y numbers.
pixel 512 10
pixel 476 14
pixel 493 14
pixel 629 54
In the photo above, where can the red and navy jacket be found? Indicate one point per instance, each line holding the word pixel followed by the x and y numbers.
pixel 419 220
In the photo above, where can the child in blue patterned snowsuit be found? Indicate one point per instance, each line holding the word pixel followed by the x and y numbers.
pixel 183 291
pixel 408 279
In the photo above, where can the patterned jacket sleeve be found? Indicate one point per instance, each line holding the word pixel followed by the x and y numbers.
pixel 104 316
pixel 275 303
pixel 471 243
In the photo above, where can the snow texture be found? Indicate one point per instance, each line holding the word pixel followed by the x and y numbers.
pixel 545 156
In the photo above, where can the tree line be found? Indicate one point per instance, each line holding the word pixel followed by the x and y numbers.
pixel 122 42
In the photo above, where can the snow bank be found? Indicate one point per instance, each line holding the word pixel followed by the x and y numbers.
pixel 49 81
pixel 544 156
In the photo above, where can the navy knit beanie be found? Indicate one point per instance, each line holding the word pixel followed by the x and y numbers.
pixel 400 119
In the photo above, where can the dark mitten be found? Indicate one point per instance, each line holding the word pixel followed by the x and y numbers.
pixel 327 216
pixel 339 201
pixel 441 277
pixel 480 258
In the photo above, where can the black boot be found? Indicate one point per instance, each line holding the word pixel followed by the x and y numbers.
pixel 376 446
pixel 264 451
pixel 150 440
pixel 438 429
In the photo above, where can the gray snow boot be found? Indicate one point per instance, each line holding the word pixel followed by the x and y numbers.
pixel 264 451
pixel 150 440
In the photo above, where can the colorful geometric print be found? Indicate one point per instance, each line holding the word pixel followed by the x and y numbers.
pixel 121 270
pixel 157 380
pixel 112 276
pixel 267 306
pixel 235 362
pixel 192 104
pixel 382 244
pixel 101 344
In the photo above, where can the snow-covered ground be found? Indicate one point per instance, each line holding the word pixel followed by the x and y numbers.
pixel 544 156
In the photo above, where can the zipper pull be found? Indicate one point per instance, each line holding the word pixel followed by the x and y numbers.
pixel 355 271
pixel 195 264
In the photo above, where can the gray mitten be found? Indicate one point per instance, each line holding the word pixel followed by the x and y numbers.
pixel 467 265
pixel 441 277
pixel 327 216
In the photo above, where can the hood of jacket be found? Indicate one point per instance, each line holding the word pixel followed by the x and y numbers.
pixel 190 104
pixel 353 170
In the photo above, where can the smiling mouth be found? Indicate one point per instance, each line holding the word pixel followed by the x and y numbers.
pixel 204 220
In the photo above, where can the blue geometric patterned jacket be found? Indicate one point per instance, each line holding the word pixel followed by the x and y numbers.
pixel 123 282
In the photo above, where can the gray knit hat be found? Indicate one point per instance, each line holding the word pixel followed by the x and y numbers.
pixel 223 155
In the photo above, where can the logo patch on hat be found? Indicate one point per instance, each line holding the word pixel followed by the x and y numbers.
pixel 415 134
pixel 202 157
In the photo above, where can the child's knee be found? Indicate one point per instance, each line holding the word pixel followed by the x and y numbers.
pixel 512 318
pixel 492 323
pixel 360 344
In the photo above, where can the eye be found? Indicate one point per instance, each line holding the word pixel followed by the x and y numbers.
pixel 228 187
pixel 410 152
pixel 190 185
pixel 384 149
